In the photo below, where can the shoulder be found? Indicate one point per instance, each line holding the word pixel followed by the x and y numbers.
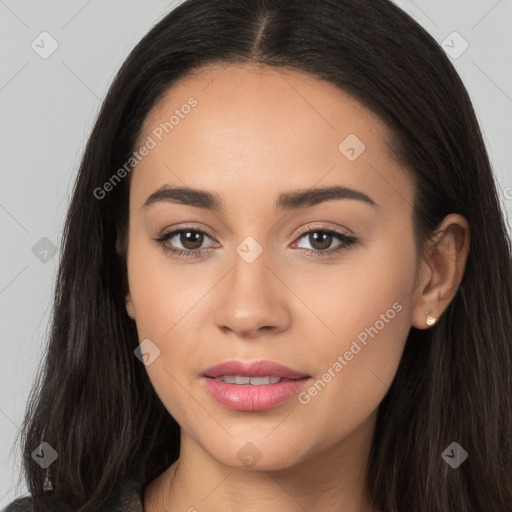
pixel 127 497
pixel 19 505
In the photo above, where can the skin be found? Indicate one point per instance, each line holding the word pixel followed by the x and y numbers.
pixel 257 132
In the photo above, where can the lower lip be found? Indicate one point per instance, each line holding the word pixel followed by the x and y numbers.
pixel 246 397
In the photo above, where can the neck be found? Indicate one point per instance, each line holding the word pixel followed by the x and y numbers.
pixel 330 480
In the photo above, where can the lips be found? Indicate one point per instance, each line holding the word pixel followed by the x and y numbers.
pixel 255 369
pixel 252 387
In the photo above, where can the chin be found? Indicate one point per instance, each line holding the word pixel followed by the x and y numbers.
pixel 258 455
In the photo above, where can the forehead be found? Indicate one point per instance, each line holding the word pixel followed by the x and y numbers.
pixel 255 128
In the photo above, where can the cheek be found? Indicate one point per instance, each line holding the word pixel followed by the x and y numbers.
pixel 366 298
pixel 371 318
pixel 163 292
pixel 380 307
pixel 164 301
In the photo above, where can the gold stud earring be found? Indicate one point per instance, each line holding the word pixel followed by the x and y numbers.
pixel 430 320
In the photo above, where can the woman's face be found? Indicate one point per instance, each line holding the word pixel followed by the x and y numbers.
pixel 280 270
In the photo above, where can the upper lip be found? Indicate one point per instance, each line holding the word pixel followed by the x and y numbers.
pixel 253 369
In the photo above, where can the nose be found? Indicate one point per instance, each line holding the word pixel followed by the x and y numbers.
pixel 252 300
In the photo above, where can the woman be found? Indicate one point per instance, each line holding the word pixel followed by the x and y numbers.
pixel 285 279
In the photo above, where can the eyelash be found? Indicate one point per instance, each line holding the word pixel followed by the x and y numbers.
pixel 346 242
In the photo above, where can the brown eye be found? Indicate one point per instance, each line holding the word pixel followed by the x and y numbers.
pixel 184 242
pixel 320 240
pixel 190 240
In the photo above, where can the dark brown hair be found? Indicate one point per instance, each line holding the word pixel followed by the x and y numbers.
pixel 93 401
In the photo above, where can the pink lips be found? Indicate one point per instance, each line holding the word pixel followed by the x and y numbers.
pixel 251 397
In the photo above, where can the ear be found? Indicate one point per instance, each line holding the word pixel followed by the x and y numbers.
pixel 121 253
pixel 441 270
pixel 129 306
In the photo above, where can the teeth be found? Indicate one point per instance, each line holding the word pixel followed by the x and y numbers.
pixel 240 379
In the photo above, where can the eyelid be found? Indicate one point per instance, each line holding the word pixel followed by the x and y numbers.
pixel 176 229
pixel 320 227
pixel 325 228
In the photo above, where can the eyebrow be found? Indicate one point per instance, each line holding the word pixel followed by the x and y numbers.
pixel 287 201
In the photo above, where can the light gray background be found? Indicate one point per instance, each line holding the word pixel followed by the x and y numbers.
pixel 47 110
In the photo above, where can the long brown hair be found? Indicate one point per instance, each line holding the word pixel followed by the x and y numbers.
pixel 93 401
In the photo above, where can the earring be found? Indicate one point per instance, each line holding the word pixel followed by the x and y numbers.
pixel 47 484
pixel 430 320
